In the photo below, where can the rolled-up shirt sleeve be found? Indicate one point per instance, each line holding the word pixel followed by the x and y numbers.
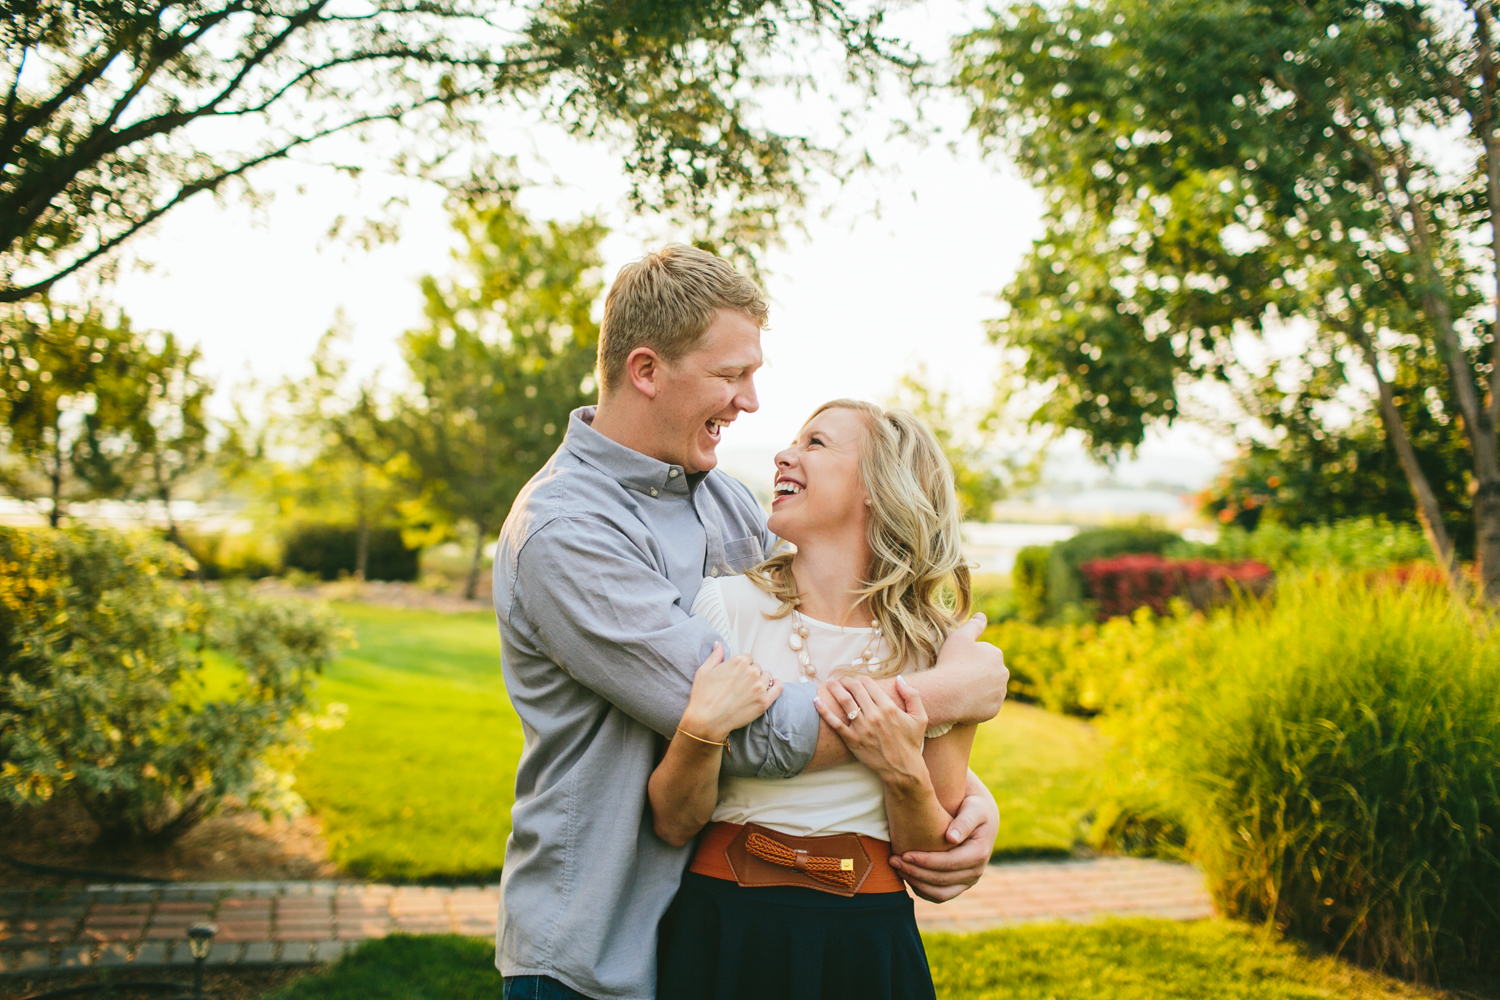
pixel 593 603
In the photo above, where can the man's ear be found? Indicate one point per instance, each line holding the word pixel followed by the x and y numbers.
pixel 643 368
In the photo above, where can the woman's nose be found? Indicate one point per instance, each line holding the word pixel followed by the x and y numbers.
pixel 784 459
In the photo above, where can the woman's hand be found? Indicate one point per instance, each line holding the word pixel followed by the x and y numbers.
pixel 884 735
pixel 727 694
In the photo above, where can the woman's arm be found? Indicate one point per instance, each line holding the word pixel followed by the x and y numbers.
pixel 886 736
pixel 947 760
pixel 684 788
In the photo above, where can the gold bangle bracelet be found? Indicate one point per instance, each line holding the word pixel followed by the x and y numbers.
pixel 700 739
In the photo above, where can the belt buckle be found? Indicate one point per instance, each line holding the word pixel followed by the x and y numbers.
pixel 751 871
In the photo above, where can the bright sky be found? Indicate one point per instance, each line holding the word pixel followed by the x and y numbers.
pixel 856 302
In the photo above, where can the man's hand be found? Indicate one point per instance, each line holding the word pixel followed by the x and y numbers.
pixel 981 668
pixel 938 876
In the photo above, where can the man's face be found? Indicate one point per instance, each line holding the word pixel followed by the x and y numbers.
pixel 702 392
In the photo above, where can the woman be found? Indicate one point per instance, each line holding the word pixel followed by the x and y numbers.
pixel 791 893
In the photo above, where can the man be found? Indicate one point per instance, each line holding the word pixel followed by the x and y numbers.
pixel 603 552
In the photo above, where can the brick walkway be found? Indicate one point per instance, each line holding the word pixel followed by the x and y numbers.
pixel 1027 892
pixel 303 922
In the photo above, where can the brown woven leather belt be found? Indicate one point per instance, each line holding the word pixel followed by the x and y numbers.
pixel 753 855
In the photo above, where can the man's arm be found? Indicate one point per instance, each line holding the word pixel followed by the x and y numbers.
pixel 591 601
pixel 966 686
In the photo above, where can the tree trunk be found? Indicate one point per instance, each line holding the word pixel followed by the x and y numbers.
pixel 1479 429
pixel 54 517
pixel 471 586
pixel 164 494
pixel 362 537
pixel 1487 496
pixel 1428 512
pixel 176 536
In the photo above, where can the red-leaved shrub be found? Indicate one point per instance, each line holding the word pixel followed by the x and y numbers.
pixel 1120 585
pixel 1416 574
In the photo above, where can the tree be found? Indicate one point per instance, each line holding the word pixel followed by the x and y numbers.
pixel 93 409
pixel 508 352
pixel 315 457
pixel 355 457
pixel 1218 169
pixel 1313 473
pixel 63 388
pixel 115 112
pixel 165 416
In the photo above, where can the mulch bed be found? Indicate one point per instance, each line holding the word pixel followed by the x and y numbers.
pixel 232 847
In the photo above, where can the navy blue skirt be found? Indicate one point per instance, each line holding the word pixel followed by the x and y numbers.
pixel 722 941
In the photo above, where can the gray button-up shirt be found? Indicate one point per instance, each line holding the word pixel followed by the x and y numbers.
pixel 597 566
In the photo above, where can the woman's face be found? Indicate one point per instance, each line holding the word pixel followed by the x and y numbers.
pixel 817 490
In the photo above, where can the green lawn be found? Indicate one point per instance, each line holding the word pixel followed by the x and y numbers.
pixel 418 782
pixel 1118 960
pixel 1040 767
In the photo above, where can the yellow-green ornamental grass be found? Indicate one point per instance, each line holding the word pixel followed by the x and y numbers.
pixel 1334 756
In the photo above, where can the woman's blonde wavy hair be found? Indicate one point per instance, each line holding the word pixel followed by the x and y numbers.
pixel 918 587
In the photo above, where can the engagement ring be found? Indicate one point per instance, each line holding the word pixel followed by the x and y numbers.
pixel 854 715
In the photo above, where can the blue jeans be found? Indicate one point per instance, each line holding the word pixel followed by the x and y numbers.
pixel 539 988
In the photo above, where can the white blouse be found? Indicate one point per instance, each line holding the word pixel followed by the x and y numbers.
pixel 848 798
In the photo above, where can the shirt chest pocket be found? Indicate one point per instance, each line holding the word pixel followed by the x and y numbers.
pixel 741 553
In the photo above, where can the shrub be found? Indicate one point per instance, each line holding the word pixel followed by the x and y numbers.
pixel 1335 759
pixel 149 700
pixel 1120 585
pixel 1029 577
pixel 1085 669
pixel 992 595
pixel 1064 583
pixel 330 551
pixel 226 556
pixel 1356 543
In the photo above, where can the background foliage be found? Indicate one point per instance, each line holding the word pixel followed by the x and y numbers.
pixel 112 124
pixel 1213 170
pixel 149 701
pixel 508 352
pixel 1335 759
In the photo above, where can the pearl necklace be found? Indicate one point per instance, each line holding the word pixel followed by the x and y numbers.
pixel 798 641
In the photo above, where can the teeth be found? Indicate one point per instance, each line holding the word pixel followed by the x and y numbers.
pixel 788 487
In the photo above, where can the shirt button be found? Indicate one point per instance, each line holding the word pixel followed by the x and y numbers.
pixel 713 572
pixel 672 473
pixel 653 491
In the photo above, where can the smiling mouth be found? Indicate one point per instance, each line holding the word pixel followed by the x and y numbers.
pixel 785 488
pixel 715 427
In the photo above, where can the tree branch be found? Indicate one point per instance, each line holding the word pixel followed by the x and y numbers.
pixel 15 293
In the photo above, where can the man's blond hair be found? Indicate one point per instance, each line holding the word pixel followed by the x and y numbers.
pixel 665 301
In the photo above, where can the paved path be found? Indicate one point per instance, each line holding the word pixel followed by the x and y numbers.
pixel 303 922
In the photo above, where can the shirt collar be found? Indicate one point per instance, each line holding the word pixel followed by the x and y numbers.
pixel 626 466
